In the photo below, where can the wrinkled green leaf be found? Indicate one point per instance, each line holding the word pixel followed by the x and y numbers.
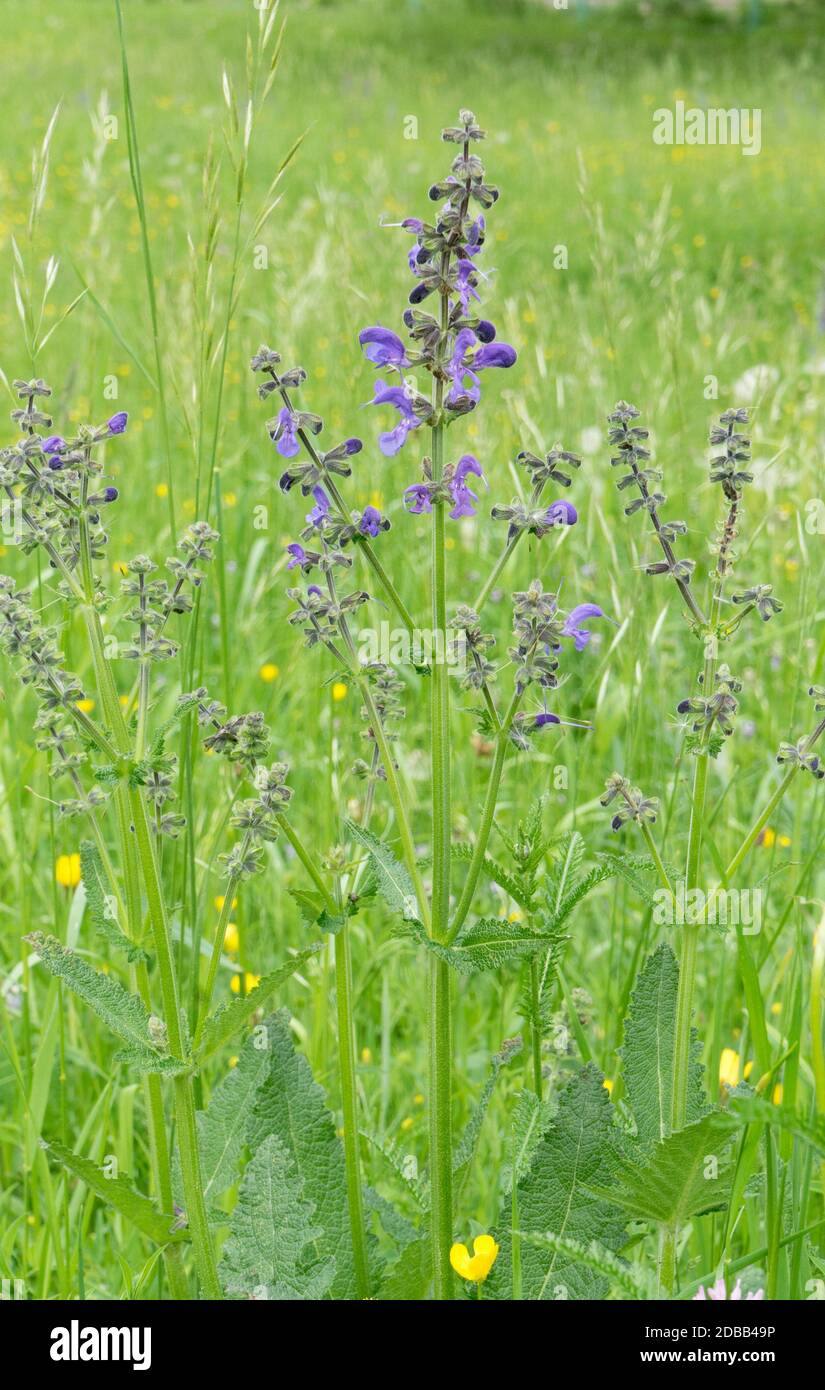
pixel 229 1017
pixel 684 1175
pixel 292 1107
pixel 579 1147
pixel 649 1047
pixel 392 879
pixel 266 1253
pixel 119 1194
pixel 100 905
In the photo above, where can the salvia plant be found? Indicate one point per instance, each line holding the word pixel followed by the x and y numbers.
pixel 301 1222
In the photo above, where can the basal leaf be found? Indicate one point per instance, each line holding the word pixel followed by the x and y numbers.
pixel 267 1254
pixel 683 1176
pixel 649 1046
pixel 292 1107
pixel 580 1146
pixel 119 1194
pixel 596 1258
pixel 222 1126
pixel 229 1017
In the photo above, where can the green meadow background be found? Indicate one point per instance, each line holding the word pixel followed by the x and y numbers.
pixel 683 264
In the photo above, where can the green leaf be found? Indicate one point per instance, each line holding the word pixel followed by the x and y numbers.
pixel 392 879
pixel 755 1110
pixel 291 1106
pixel 147 1062
pixel 580 1146
pixel 683 1176
pixel 124 1013
pixel 649 1046
pixel 102 906
pixel 118 1193
pixel 222 1126
pixel 531 1118
pixel 631 867
pixel 595 1257
pixel 229 1017
pixel 410 1277
pixel 465 1151
pixel 271 1229
pixel 497 874
pixel 485 945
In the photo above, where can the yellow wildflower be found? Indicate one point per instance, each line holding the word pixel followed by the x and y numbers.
pixel 777 1093
pixel 231 939
pixel 269 671
pixel 608 1085
pixel 85 705
pixel 406 1123
pixel 477 1266
pixel 728 1067
pixel 366 1056
pixel 339 691
pixel 67 870
pixel 220 900
pixel 250 983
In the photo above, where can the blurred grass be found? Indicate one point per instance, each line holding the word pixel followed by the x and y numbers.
pixel 683 264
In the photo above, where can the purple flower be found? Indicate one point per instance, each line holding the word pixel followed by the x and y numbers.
pixel 581 635
pixel 463 496
pixel 461 365
pixel 321 510
pixel 485 331
pixel 54 444
pixel 466 291
pixel 545 718
pixel 117 424
pixel 286 431
pixel 383 347
pixel 297 555
pixel 494 355
pixel 391 441
pixel 371 522
pixel 562 514
pixel 417 499
pixel 475 240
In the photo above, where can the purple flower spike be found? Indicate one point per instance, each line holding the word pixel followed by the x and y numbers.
pixel 494 355
pixel 393 440
pixel 287 441
pixel 581 635
pixel 321 510
pixel 383 347
pixel 117 424
pixel 370 523
pixel 297 555
pixel 417 499
pixel 562 514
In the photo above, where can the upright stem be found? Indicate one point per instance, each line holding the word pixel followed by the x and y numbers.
pixel 349 1105
pixel 440 1069
pixel 690 930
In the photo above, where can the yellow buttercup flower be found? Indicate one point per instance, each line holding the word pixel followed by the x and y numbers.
pixel 85 705
pixel 269 672
pixel 339 691
pixel 67 870
pixel 231 939
pixel 729 1067
pixel 250 982
pixel 477 1266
